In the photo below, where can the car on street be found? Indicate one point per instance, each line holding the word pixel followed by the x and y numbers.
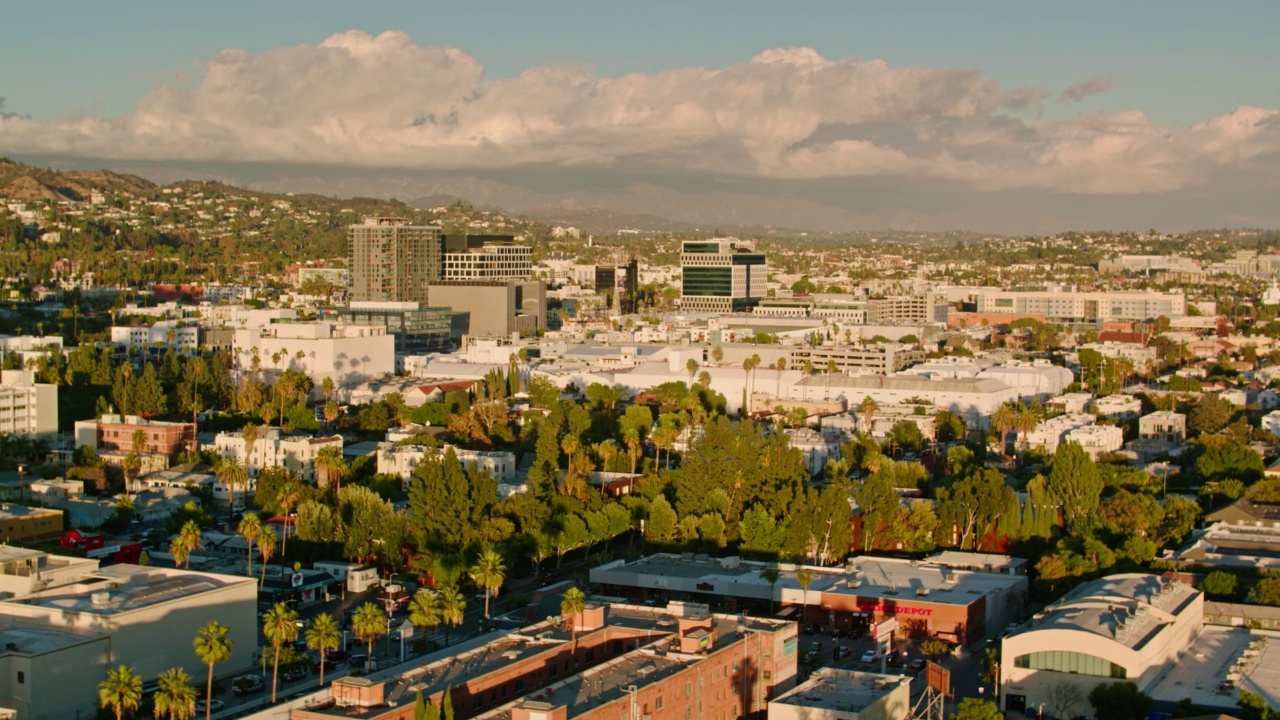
pixel 856 632
pixel 893 658
pixel 844 651
pixel 329 665
pixel 294 673
pixel 214 705
pixel 246 684
pixel 916 664
pixel 335 655
pixel 869 656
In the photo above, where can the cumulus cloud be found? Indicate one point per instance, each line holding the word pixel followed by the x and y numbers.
pixel 1083 89
pixel 384 101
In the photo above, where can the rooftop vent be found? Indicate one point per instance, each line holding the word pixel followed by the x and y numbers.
pixel 100 599
pixel 921 592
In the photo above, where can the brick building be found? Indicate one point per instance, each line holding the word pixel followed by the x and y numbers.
pixel 615 661
pixel 114 434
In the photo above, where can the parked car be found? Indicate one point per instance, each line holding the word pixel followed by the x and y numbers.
pixel 916 664
pixel 294 673
pixel 837 633
pixel 246 684
pixel 815 647
pixel 335 655
pixel 214 705
pixel 844 651
pixel 857 632
pixel 869 656
pixel 894 657
pixel 329 665
pixel 357 660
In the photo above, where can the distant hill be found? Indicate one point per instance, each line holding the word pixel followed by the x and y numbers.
pixel 28 183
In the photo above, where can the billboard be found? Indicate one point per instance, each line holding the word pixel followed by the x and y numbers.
pixel 938 678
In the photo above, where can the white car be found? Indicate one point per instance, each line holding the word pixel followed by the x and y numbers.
pixel 215 705
pixel 869 656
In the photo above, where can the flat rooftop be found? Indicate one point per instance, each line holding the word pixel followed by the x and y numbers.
pixel 1218 655
pixel 125 588
pixel 36 641
pixel 9 510
pixel 842 690
pixel 1127 608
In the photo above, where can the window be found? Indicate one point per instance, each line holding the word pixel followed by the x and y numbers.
pixel 688 689
pixel 657 705
pixel 768 675
pixel 1075 663
pixel 22 677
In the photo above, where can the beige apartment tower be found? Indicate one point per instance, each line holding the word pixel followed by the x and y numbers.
pixel 393 260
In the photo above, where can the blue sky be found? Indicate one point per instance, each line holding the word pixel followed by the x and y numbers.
pixel 1178 62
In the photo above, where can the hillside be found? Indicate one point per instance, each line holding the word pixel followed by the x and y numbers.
pixel 25 182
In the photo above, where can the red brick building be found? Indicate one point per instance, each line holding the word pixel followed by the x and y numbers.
pixel 615 661
pixel 113 433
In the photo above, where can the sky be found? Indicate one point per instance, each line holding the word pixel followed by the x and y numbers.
pixel 1081 100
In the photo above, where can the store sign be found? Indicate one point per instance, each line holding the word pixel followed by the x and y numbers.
pixel 896 610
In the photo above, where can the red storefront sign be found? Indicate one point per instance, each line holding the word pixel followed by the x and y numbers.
pixel 896 610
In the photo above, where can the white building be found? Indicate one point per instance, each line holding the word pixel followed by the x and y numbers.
pixel 1122 627
pixel 1097 439
pixel 29 347
pixel 349 354
pixel 836 694
pixel 243 316
pixel 1070 306
pixel 27 407
pixel 1163 425
pixel 1072 403
pixel 1120 407
pixel 181 335
pixel 1052 432
pixel 402 460
pixel 1036 379
pixel 1271 422
pixel 973 399
pixel 272 449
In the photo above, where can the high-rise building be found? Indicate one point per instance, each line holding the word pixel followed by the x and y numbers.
pixel 721 275
pixel 393 260
pixel 486 257
pixel 624 289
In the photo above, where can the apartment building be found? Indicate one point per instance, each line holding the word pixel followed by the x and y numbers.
pixel 295 453
pixel 1072 306
pixel 721 275
pixel 393 260
pixel 402 460
pixel 1163 425
pixel 486 257
pixel 27 407
pixel 181 336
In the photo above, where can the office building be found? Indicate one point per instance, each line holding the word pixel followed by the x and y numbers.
pixel 113 434
pixel 924 308
pixel 610 661
pixel 492 307
pixel 619 285
pixel 19 522
pixel 393 260
pixel 1071 306
pixel 414 328
pixel 27 407
pixel 721 275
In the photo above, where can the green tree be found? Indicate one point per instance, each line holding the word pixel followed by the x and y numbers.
pixel 1266 592
pixel 175 698
pixel 212 647
pixel 662 521
pixel 448 502
pixel 266 548
pixel 250 527
pixel 571 607
pixel 424 609
pixel 974 504
pixel 452 606
pixel 278 626
pixel 1074 482
pixel 322 636
pixel 1119 701
pixel 972 708
pixel 934 649
pixel 233 474
pixel 121 691
pixel 1209 415
pixel 1219 584
pixel 634 425
pixel 369 623
pixel 488 573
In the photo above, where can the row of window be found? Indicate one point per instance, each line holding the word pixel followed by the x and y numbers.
pixel 1070 662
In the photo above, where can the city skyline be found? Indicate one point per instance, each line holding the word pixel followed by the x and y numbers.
pixel 1014 121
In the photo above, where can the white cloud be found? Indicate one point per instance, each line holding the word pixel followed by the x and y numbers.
pixel 383 101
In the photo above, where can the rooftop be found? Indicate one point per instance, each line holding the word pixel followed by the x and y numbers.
pixel 36 641
pixel 1128 608
pixel 1219 663
pixel 842 690
pixel 125 588
pixel 908 383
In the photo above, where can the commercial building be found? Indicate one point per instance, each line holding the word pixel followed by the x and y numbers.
pixel 975 400
pixel 930 599
pixel 883 358
pixel 112 435
pixel 492 307
pixel 835 694
pixel 70 620
pixel 721 275
pixel 610 661
pixel 349 354
pixel 393 260
pixel 27 407
pixel 620 284
pixel 923 308
pixel 295 453
pixel 1122 627
pixel 1071 306
pixel 414 328
pixel 19 522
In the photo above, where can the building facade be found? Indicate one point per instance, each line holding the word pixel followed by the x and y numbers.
pixel 27 407
pixel 393 260
pixel 1071 306
pixel 349 354
pixel 486 257
pixel 722 275
pixel 296 454
pixel 415 329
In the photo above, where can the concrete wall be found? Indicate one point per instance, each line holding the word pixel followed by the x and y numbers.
pixel 59 684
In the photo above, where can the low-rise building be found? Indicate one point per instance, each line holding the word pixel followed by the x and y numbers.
pixel 836 694
pixel 1048 434
pixel 179 335
pixel 1070 403
pixel 19 522
pixel 114 434
pixel 347 354
pixel 1097 439
pixel 1118 407
pixel 402 460
pixel 272 448
pixel 975 400
pixel 1170 427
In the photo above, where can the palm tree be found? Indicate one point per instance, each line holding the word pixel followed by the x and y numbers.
pixel 187 542
pixel 330 461
pixel 770 575
pixel 424 609
pixel 121 691
pixel 369 623
pixel 326 387
pixel 868 408
pixel 250 435
pixel 322 636
pixel 231 472
pixel 452 607
pixel 212 647
pixel 717 354
pixel 287 499
pixel 831 370
pixel 571 606
pixel 1002 421
pixel 489 572
pixel 279 627
pixel 250 528
pixel 804 578
pixel 175 696
pixel 1024 422
pixel 266 548
pixel 692 366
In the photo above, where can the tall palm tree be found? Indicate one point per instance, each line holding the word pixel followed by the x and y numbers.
pixel 121 691
pixel 831 370
pixel 452 607
pixel 249 529
pixel 804 578
pixel 1024 422
pixel 868 408
pixel 330 461
pixel 424 609
pixel 489 572
pixel 266 548
pixel 250 435
pixel 571 606
pixel 186 542
pixel 692 366
pixel 780 365
pixel 322 636
pixel 279 627
pixel 232 473
pixel 1002 421
pixel 175 697
pixel 288 498
pixel 369 623
pixel 212 647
